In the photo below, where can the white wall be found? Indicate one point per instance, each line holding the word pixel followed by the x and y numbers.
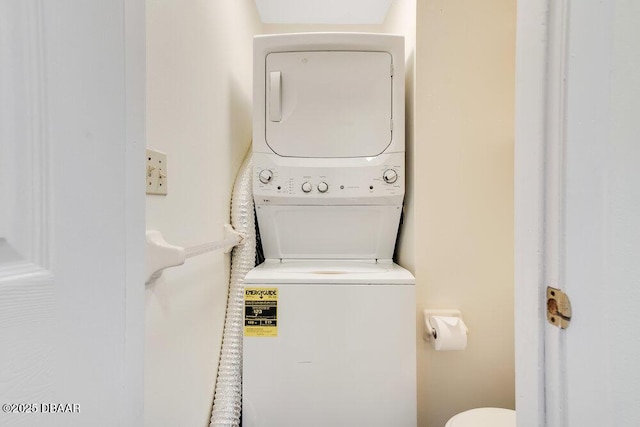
pixel 198 112
pixel 463 180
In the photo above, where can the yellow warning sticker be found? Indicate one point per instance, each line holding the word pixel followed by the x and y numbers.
pixel 261 312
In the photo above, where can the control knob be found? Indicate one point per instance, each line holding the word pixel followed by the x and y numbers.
pixel 265 176
pixel 323 187
pixel 306 187
pixel 390 176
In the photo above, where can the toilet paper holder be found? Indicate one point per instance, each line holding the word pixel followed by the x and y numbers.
pixel 430 332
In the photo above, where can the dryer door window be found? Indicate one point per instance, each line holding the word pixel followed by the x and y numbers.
pixel 328 103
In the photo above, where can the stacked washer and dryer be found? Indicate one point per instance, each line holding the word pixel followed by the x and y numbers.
pixel 329 335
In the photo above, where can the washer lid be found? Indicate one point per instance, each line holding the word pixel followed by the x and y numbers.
pixel 484 417
pixel 329 271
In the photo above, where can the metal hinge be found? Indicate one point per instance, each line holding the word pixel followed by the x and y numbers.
pixel 558 308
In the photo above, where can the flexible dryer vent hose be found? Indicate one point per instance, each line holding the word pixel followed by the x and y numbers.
pixel 227 401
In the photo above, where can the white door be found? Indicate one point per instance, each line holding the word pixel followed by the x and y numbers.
pixel 71 212
pixel 578 212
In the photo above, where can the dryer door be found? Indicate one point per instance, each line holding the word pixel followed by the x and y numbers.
pixel 328 103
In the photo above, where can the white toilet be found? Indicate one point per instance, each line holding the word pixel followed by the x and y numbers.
pixel 484 417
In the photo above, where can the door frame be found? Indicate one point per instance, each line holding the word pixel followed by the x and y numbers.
pixel 539 179
pixel 135 128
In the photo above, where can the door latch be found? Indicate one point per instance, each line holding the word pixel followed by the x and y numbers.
pixel 558 308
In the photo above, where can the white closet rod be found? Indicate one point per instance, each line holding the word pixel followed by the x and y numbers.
pixel 161 255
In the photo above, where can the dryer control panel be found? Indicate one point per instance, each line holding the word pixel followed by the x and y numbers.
pixel 355 181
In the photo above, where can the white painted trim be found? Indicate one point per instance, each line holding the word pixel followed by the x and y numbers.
pixel 541 57
pixel 554 189
pixel 41 173
pixel 531 57
pixel 135 122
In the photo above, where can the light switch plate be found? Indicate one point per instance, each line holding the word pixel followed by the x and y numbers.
pixel 156 172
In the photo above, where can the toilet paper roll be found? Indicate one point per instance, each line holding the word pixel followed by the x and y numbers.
pixel 450 333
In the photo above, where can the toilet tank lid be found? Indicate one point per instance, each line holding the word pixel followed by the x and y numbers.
pixel 484 417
